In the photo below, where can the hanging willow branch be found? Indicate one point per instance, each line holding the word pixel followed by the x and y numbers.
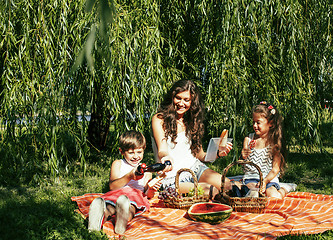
pixel 62 60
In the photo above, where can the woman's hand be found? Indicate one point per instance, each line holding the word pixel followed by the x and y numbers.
pixel 224 150
pixel 167 168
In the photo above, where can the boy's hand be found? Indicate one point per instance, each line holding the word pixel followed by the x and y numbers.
pixel 153 185
pixel 156 182
pixel 156 186
pixel 134 174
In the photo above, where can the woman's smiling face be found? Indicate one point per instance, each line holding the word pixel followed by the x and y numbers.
pixel 182 102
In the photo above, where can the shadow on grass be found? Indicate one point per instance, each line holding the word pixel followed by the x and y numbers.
pixel 34 215
pixel 312 170
pixel 46 212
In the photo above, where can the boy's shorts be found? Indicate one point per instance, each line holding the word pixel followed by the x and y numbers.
pixel 270 184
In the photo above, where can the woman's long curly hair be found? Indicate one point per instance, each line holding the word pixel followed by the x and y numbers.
pixel 275 134
pixel 193 118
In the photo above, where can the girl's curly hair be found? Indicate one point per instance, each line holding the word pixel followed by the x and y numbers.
pixel 275 134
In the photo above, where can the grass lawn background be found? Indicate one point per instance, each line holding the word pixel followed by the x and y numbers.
pixel 45 211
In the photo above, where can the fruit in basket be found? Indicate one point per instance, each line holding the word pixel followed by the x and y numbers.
pixel 169 192
pixel 213 213
pixel 200 192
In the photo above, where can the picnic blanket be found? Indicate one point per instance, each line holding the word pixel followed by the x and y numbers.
pixel 297 213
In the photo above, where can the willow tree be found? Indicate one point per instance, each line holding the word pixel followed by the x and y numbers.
pixel 128 75
pixel 243 52
pixel 39 42
pixel 61 60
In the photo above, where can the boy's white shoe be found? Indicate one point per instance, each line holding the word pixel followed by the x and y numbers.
pixel 289 187
pixel 122 214
pixel 96 214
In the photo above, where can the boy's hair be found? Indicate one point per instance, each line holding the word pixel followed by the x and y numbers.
pixel 275 134
pixel 132 139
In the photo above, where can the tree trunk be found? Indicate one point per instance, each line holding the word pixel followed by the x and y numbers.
pixel 98 129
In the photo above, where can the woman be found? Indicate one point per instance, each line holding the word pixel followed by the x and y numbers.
pixel 177 130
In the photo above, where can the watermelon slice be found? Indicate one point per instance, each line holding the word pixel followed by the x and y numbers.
pixel 213 213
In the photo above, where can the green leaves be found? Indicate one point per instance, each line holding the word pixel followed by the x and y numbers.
pixel 261 50
pixel 61 60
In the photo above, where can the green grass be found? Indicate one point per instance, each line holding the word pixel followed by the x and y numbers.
pixel 45 211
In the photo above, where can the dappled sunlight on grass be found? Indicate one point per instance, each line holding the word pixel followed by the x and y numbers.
pixel 45 211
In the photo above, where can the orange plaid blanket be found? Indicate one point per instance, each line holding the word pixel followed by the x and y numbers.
pixel 297 213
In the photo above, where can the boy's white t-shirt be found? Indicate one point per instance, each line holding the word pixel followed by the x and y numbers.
pixel 126 168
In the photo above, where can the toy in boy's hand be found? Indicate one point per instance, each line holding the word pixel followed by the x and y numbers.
pixel 142 167
pixel 157 167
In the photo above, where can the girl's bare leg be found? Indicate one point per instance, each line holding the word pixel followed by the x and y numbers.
pixel 213 178
pixel 282 192
pixel 251 185
pixel 273 192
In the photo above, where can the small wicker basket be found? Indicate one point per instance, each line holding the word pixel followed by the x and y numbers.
pixel 243 204
pixel 185 202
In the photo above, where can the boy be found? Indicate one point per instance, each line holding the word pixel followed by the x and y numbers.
pixel 129 192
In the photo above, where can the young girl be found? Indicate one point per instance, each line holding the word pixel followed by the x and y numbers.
pixel 178 129
pixel 128 191
pixel 266 148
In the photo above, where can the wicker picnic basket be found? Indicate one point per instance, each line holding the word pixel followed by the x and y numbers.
pixel 185 202
pixel 243 204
